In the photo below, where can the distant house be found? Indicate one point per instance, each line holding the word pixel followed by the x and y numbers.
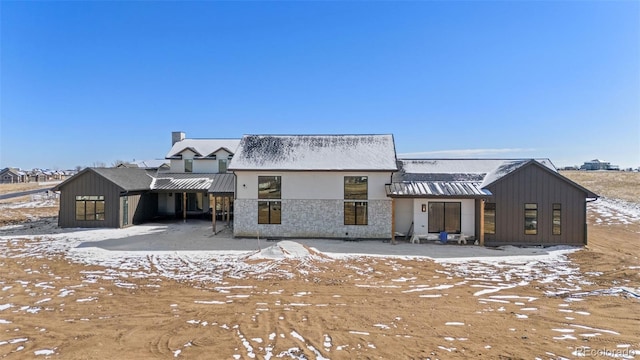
pixel 13 175
pixel 596 164
pixel 150 165
pixel 328 186
pixel 335 186
pixel 495 201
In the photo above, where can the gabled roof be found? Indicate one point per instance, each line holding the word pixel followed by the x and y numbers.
pixel 485 171
pixel 588 193
pixel 445 177
pixel 202 147
pixel 14 171
pixel 128 179
pixel 453 177
pixel 315 152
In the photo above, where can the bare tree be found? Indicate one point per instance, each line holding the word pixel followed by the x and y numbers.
pixel 98 164
pixel 79 167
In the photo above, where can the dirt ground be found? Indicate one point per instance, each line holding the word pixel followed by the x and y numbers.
pixel 358 308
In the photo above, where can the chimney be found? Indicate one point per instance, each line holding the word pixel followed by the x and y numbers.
pixel 176 136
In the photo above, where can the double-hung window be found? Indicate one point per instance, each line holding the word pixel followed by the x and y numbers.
pixel 90 207
pixel 269 209
pixel 188 165
pixel 356 188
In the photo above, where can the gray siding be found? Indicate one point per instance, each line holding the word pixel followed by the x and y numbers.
pixel 533 184
pixel 142 207
pixel 89 183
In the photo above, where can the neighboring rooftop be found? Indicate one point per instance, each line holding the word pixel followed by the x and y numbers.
pixel 146 164
pixel 315 152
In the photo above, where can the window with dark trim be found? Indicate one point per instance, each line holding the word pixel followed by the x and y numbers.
pixel 269 187
pixel 89 208
pixel 356 212
pixel 445 216
pixel 557 219
pixel 355 188
pixel 269 212
pixel 222 165
pixel 188 165
pixel 530 219
pixel 490 218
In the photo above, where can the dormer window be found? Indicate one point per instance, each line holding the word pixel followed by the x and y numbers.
pixel 222 166
pixel 188 165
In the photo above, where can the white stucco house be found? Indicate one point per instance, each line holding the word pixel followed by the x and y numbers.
pixel 329 186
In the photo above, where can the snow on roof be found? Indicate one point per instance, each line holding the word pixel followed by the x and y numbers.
pixel 485 171
pixel 315 152
pixel 203 147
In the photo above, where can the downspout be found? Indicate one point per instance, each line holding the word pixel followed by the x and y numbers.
pixel 585 218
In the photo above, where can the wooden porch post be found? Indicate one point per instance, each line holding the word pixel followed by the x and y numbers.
pixel 481 235
pixel 228 209
pixel 393 221
pixel 212 205
pixel 184 206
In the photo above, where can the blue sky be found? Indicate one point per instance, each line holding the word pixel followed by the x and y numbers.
pixel 89 82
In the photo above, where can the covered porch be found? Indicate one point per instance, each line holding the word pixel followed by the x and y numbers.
pixel 221 195
pixel 438 211
pixel 192 196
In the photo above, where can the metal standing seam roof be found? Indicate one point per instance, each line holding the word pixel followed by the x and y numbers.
pixel 213 183
pixel 436 189
pixel 223 184
pixel 182 182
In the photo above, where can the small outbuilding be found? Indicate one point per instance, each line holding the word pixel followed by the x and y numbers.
pixel 106 197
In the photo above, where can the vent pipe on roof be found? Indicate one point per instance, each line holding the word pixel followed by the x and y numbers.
pixel 177 136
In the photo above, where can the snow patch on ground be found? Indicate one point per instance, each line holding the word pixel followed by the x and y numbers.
pixel 615 211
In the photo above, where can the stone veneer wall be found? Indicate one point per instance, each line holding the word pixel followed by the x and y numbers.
pixel 312 219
